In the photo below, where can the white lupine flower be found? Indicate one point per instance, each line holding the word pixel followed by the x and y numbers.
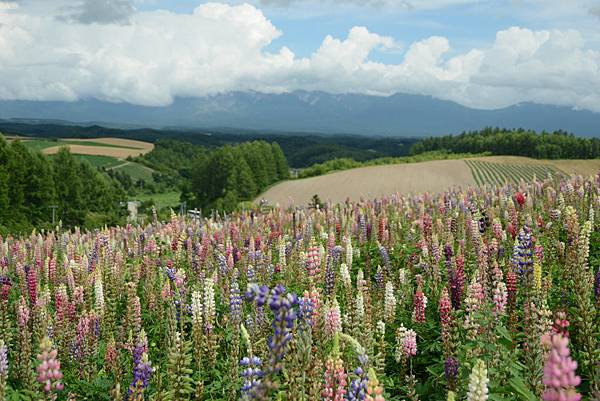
pixel 345 275
pixel 402 276
pixel 360 306
pixel 389 302
pixel 380 328
pixel 209 301
pixel 282 259
pixel 478 383
pixel 400 334
pixel 99 293
pixel 197 315
pixel 349 253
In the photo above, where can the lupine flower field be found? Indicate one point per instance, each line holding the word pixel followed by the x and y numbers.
pixel 467 295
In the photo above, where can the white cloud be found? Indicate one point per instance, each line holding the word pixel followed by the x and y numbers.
pixel 409 5
pixel 160 55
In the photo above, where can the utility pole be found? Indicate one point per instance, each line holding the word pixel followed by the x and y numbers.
pixel 53 207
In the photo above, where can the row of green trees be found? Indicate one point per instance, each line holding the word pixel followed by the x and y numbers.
pixel 519 142
pixel 32 185
pixel 231 174
pixel 346 164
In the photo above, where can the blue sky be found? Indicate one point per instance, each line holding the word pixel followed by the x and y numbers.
pixel 480 53
pixel 466 24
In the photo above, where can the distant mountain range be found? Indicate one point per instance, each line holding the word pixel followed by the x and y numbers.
pixel 319 112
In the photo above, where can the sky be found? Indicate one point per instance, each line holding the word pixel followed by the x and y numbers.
pixel 484 54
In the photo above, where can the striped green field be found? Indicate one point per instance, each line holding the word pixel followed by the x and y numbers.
pixel 491 173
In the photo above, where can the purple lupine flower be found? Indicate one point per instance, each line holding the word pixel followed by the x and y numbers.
pixel 358 386
pixel 305 312
pixel 250 274
pixel 448 251
pixel 329 277
pixel 386 258
pixel 171 273
pixel 141 375
pixel 282 305
pixel 379 281
pixel 257 294
pixel 336 253
pixel 235 303
pixel 451 370
pixel 222 265
pixel 252 375
pixel 524 251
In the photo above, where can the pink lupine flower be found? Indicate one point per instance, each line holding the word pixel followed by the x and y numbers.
pixel 500 298
pixel 49 373
pixel 332 319
pixel 559 371
pixel 409 343
pixel 335 381
pixel 313 261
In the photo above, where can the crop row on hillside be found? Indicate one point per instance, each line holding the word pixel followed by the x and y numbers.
pixel 502 173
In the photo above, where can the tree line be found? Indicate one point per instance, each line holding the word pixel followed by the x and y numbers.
pixel 518 142
pixel 31 185
pixel 231 174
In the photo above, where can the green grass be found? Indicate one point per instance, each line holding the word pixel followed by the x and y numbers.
pixel 136 171
pixel 100 161
pixel 38 145
pixel 41 144
pixel 167 199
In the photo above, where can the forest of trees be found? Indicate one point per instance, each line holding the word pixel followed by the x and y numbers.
pixel 301 149
pixel 544 145
pixel 31 184
pixel 231 174
pixel 216 178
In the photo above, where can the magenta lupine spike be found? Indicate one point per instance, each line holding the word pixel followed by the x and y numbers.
pixel 560 378
pixel 420 303
pixel 32 284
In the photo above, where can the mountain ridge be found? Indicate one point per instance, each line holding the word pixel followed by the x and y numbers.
pixel 310 111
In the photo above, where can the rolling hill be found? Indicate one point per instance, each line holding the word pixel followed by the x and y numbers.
pixel 431 176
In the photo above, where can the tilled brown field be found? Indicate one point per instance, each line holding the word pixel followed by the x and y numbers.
pixel 144 146
pixel 377 181
pixel 119 153
pixel 133 148
pixel 371 182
